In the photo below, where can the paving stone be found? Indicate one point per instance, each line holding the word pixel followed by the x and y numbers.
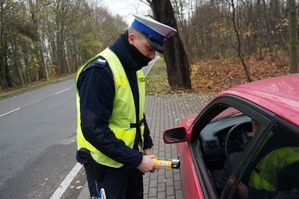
pixel 177 185
pixel 152 192
pixel 170 197
pixel 163 112
pixel 161 187
pixel 161 195
pixel 179 194
pixel 169 182
pixel 170 190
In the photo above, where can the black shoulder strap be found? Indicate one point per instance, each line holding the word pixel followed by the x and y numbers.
pixel 98 62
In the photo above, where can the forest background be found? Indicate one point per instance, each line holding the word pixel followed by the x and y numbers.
pixel 227 42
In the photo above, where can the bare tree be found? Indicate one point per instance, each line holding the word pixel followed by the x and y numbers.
pixel 239 41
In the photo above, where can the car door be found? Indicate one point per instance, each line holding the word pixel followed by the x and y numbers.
pixel 216 119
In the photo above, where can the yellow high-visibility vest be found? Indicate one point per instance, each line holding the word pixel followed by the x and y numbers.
pixel 264 176
pixel 123 114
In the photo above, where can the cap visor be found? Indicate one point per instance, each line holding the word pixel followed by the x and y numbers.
pixel 155 45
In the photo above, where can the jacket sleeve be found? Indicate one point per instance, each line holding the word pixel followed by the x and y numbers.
pixel 97 91
pixel 148 143
pixel 229 165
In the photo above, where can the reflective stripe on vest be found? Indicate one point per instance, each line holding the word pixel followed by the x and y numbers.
pixel 264 176
pixel 123 114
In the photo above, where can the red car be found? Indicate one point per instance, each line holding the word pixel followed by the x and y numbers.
pixel 259 121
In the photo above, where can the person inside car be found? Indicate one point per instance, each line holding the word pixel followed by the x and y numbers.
pixel 274 176
pixel 221 176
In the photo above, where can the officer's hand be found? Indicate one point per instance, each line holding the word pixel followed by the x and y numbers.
pixel 147 164
pixel 148 151
pixel 243 190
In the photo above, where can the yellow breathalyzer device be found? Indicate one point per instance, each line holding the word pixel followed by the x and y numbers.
pixel 167 164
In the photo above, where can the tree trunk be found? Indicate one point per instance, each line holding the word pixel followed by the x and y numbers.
pixel 21 77
pixel 35 10
pixel 292 36
pixel 6 69
pixel 60 27
pixel 5 76
pixel 178 70
pixel 3 81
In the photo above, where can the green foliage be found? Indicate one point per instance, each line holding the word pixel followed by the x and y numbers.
pixel 89 44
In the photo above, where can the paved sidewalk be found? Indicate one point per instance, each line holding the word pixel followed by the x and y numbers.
pixel 164 112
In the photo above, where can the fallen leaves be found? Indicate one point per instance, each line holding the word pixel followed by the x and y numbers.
pixel 216 75
pixel 211 75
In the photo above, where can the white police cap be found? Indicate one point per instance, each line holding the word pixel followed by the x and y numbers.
pixel 156 32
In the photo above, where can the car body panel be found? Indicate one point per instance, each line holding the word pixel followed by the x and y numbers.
pixel 278 95
pixel 191 185
pixel 187 124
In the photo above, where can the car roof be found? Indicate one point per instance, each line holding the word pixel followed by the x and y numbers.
pixel 279 95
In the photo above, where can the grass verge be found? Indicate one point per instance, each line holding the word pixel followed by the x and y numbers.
pixel 156 81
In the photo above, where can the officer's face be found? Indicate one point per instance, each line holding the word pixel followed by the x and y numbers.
pixel 142 44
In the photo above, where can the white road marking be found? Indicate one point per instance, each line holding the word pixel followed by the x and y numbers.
pixel 9 112
pixel 151 64
pixel 62 91
pixel 33 102
pixel 66 182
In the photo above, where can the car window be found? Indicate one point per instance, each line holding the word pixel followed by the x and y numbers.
pixel 274 169
pixel 223 140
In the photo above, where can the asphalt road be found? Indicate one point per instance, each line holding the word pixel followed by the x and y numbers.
pixel 37 141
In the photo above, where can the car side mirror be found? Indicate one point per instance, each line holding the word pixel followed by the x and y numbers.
pixel 175 135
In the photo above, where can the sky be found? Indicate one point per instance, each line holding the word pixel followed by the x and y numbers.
pixel 126 8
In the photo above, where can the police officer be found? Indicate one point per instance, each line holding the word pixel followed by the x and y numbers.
pixel 113 138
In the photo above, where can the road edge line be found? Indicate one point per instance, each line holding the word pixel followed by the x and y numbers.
pixel 9 112
pixel 66 182
pixel 62 91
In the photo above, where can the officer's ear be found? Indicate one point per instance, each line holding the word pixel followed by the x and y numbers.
pixel 131 38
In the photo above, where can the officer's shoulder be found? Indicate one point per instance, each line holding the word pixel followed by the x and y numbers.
pixel 99 63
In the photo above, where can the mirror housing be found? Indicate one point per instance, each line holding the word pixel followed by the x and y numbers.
pixel 175 135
